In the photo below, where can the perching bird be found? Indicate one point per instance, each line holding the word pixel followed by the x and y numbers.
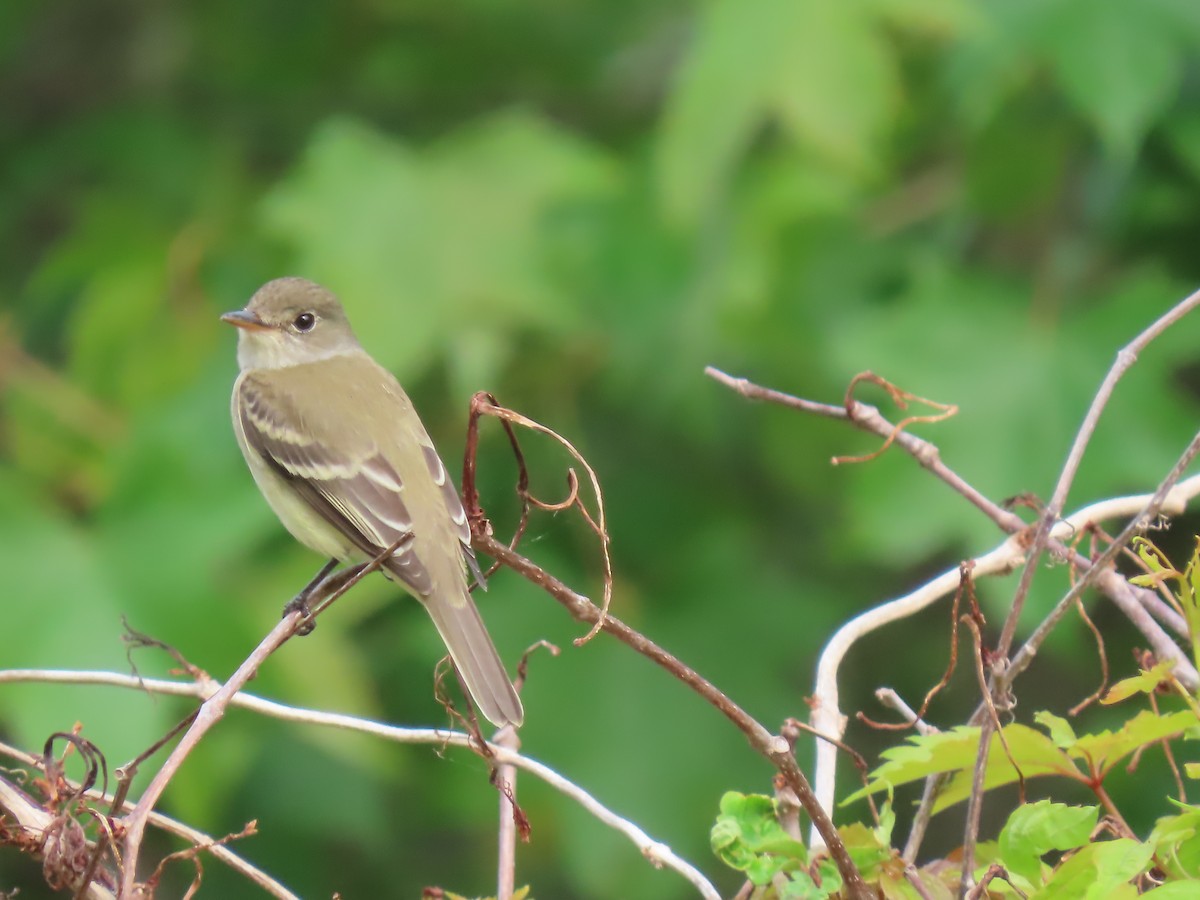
pixel 342 458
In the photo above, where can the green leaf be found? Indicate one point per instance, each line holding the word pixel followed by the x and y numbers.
pixel 1189 599
pixel 801 886
pixel 1035 753
pixel 1099 871
pixel 1107 748
pixel 863 844
pixel 1176 842
pixel 1155 560
pixel 1119 63
pixel 1102 750
pixel 1176 890
pixel 747 836
pixel 956 750
pixel 836 43
pixel 1037 828
pixel 887 822
pixel 1145 683
pixel 756 61
pixel 1060 729
pixel 447 239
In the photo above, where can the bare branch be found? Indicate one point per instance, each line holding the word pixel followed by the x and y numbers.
pixel 1126 357
pixel 991 725
pixel 774 748
pixel 1134 602
pixel 1116 587
pixel 484 403
pixel 868 418
pixel 889 698
pixel 657 853
pixel 506 776
pixel 213 709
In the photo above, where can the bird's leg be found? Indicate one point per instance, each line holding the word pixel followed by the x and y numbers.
pixel 326 588
pixel 301 602
pixel 331 587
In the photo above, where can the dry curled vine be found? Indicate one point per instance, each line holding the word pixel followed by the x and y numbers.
pixel 1023 549
pixel 776 748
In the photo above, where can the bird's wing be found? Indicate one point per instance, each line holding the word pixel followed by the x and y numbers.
pixel 359 493
pixel 458 515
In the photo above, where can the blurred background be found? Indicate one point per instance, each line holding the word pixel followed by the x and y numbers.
pixel 576 205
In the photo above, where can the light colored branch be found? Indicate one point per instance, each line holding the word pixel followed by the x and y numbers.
pixel 506 782
pixel 211 711
pixel 298 617
pixel 827 716
pixel 773 747
pixel 657 853
pixel 889 698
pixel 1170 491
pixel 165 823
pixel 868 418
pixel 1137 603
pixel 1126 357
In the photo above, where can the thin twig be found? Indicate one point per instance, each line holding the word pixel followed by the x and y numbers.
pixel 913 877
pixel 656 852
pixel 966 585
pixel 193 853
pixel 900 398
pixel 868 418
pixel 172 826
pixel 211 712
pixel 506 775
pixel 1126 357
pixel 889 698
pixel 773 747
pixel 991 725
pixel 1133 601
pixel 995 870
pixel 484 403
pixel 1100 572
pixel 1101 653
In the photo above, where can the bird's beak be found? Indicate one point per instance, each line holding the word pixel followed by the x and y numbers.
pixel 245 319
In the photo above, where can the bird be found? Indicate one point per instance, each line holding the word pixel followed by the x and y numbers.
pixel 338 451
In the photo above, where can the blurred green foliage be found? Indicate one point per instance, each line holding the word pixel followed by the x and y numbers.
pixel 577 206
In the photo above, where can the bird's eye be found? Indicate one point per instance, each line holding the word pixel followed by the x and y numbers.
pixel 304 322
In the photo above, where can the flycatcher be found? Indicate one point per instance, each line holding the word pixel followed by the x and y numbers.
pixel 336 448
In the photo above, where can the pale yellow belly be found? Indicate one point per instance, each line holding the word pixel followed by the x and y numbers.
pixel 305 524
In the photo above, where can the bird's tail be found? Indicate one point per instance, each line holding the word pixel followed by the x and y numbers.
pixel 476 659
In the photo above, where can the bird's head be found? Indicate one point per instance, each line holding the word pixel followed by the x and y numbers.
pixel 290 322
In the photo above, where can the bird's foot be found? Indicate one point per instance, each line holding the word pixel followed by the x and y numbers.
pixel 299 604
pixel 302 602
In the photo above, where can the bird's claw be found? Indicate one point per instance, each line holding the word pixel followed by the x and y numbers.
pixel 300 604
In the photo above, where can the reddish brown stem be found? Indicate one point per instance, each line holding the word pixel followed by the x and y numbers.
pixel 774 748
